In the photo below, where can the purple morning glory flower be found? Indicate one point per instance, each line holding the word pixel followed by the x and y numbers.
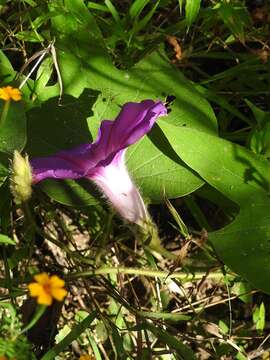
pixel 103 160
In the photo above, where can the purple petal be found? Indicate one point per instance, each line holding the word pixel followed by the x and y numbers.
pixel 54 167
pixel 133 122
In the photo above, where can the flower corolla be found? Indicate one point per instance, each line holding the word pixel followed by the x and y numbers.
pixel 103 160
pixel 46 288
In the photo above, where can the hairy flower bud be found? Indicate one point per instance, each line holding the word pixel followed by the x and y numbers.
pixel 21 178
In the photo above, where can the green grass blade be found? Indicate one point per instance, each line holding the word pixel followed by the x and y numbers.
pixel 118 343
pixel 95 348
pixel 236 18
pixel 185 352
pixel 141 24
pixel 197 212
pixel 113 11
pixel 177 218
pixel 137 7
pixel 73 335
pixel 192 9
pixel 180 6
pixel 94 6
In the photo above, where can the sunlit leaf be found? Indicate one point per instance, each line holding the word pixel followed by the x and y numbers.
pixel 4 239
pixel 243 177
pixel 192 8
pixel 153 165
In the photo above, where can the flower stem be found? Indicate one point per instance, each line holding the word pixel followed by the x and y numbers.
pixel 4 112
pixel 39 312
pixel 150 238
pixel 217 276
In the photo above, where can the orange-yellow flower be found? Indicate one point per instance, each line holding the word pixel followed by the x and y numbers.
pixel 9 93
pixel 86 357
pixel 47 288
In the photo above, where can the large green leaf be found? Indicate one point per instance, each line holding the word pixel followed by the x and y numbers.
pixel 158 170
pixel 53 127
pixel 7 74
pixel 12 128
pixel 84 62
pixel 243 177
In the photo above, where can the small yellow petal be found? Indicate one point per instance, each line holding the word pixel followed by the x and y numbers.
pixel 9 93
pixel 42 278
pixel 35 289
pixel 16 95
pixel 4 95
pixel 86 357
pixel 58 294
pixel 44 298
pixel 55 281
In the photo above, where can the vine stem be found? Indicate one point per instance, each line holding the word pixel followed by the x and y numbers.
pixel 146 272
pixel 4 112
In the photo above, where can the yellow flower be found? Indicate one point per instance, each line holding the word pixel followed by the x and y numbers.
pixel 47 288
pixel 86 357
pixel 9 93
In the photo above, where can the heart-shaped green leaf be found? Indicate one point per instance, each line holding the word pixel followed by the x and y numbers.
pixel 243 177
pixel 53 127
pixel 12 127
pixel 84 62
